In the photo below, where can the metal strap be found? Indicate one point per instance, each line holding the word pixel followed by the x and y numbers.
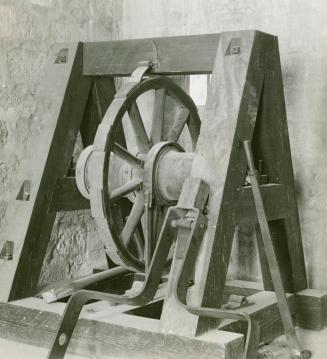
pixel 236 301
pixel 187 260
pixel 176 217
pixel 136 77
pixel 142 297
pixel 292 340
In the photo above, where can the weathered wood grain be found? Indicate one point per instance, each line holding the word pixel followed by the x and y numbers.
pixel 110 335
pixel 274 198
pixel 103 92
pixel 265 311
pixel 229 118
pixel 311 308
pixel 234 113
pixel 241 287
pixel 66 196
pixel 174 55
pixel 271 146
pixel 283 162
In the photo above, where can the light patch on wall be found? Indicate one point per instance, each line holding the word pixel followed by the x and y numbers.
pixel 8 21
pixel 199 88
pixel 45 3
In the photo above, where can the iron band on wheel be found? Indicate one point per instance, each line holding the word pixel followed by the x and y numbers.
pixel 119 237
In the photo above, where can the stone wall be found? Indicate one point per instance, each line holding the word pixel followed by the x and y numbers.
pixel 28 30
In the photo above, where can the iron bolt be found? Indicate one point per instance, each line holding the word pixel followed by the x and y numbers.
pixel 62 339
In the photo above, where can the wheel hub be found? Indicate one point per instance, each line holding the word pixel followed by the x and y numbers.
pixel 166 166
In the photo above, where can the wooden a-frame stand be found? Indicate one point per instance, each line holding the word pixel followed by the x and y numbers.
pixel 246 102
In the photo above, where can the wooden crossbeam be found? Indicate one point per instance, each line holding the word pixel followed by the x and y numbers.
pixel 178 55
pixel 274 196
pixel 66 196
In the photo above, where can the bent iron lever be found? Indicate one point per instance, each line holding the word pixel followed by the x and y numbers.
pixel 146 294
pixel 292 340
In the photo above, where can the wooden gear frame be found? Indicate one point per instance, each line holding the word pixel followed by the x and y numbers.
pixel 248 84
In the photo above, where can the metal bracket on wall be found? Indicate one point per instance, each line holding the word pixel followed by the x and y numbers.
pixel 7 251
pixel 25 191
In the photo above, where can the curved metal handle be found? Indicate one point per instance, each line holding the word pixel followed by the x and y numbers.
pixel 180 292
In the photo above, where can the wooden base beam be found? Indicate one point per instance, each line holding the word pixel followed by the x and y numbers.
pixel 265 311
pixel 311 308
pixel 106 330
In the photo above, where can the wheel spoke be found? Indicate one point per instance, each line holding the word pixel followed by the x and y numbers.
pixel 147 236
pixel 194 125
pixel 127 156
pixel 137 240
pixel 133 219
pixel 154 218
pixel 158 115
pixel 142 140
pixel 127 188
pixel 157 221
pixel 181 116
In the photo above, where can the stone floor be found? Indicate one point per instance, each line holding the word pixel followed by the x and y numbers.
pixel 315 341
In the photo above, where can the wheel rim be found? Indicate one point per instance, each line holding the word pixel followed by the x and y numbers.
pixel 106 144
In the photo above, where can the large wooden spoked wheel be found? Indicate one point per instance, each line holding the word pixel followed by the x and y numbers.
pixel 127 225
